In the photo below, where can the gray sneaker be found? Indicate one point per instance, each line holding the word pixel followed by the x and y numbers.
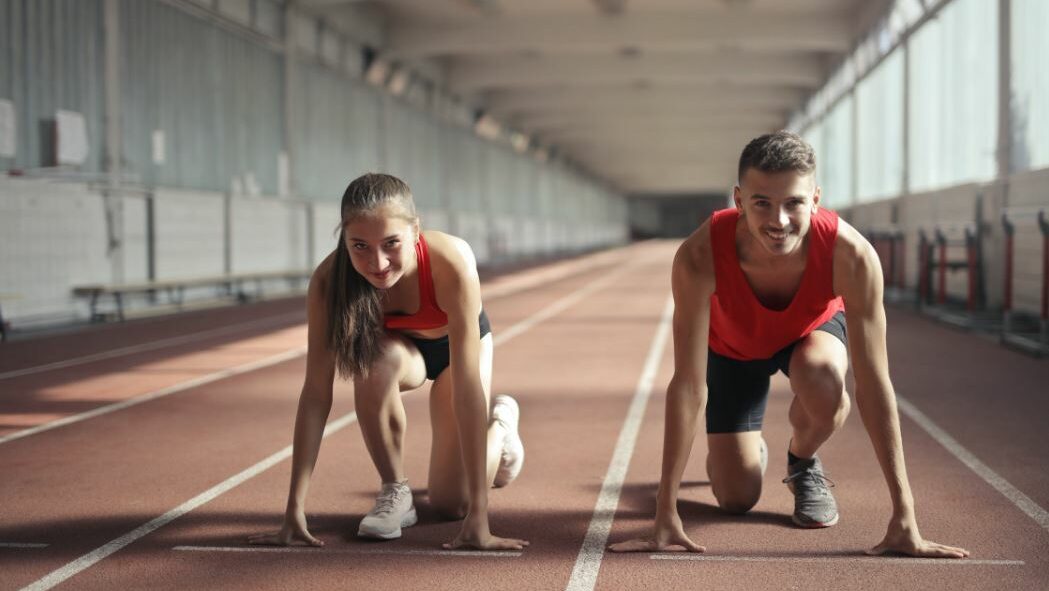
pixel 814 506
pixel 393 510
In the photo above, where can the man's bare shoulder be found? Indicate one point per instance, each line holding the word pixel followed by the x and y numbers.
pixel 855 259
pixel 695 256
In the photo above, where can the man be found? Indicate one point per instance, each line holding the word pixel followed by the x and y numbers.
pixel 772 285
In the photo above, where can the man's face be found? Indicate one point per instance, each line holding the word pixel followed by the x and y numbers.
pixel 777 207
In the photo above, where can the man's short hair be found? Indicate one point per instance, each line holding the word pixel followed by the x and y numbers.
pixel 779 151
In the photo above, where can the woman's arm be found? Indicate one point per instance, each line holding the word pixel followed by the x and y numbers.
pixel 314 406
pixel 458 292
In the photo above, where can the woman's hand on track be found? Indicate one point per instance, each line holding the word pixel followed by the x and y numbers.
pixel 292 533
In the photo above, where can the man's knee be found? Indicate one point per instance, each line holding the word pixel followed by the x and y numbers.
pixel 737 502
pixel 821 385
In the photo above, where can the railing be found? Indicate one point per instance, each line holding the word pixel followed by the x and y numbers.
pixel 1015 332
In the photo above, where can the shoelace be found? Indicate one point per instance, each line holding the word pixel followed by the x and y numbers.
pixel 386 501
pixel 817 478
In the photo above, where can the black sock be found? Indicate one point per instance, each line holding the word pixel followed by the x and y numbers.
pixel 792 459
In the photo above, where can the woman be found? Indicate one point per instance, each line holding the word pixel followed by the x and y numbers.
pixel 358 305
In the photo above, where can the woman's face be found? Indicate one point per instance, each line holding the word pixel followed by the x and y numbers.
pixel 381 243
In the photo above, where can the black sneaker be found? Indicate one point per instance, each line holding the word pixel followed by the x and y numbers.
pixel 814 506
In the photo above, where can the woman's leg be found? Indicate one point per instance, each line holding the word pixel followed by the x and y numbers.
pixel 380 411
pixel 449 494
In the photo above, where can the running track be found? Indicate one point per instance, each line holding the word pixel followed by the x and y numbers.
pixel 173 448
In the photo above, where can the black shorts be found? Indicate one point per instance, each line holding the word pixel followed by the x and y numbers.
pixel 738 390
pixel 435 351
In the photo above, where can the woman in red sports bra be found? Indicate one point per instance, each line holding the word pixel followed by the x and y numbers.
pixel 389 308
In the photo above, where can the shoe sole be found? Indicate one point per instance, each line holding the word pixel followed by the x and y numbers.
pixel 410 519
pixel 813 524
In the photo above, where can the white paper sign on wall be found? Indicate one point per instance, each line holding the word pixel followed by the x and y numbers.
pixel 159 152
pixel 8 129
pixel 72 137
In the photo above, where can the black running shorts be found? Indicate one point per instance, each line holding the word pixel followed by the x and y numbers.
pixel 738 390
pixel 435 351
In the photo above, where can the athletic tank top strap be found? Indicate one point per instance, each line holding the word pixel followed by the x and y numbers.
pixel 430 315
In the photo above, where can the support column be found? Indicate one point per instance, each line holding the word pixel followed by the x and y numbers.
pixel 112 195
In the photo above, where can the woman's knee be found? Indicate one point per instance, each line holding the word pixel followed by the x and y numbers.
pixel 449 506
pixel 383 373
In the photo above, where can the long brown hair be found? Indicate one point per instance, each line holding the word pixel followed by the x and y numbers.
pixel 355 327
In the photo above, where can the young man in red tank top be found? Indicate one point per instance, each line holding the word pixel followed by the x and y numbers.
pixel 771 286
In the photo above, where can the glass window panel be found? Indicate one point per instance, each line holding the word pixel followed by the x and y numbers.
pixel 1030 85
pixel 879 141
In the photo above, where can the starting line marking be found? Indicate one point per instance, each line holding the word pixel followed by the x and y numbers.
pixel 21 545
pixel 839 559
pixel 370 551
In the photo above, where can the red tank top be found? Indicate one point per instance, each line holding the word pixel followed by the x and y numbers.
pixel 429 314
pixel 741 327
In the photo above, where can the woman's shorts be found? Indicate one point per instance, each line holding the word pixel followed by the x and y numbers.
pixel 737 391
pixel 435 351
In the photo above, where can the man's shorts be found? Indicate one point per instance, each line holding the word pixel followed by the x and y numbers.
pixel 738 390
pixel 435 352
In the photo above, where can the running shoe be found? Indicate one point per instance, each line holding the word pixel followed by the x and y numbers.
pixel 814 505
pixel 508 414
pixel 393 510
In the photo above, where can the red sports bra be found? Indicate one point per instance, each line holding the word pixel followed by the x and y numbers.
pixel 430 315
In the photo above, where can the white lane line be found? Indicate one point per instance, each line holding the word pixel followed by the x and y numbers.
pixel 1022 501
pixel 91 558
pixel 369 551
pixel 86 561
pixel 584 573
pixel 21 545
pixel 841 559
pixel 503 288
pixel 205 379
pixel 170 342
pixel 505 335
pixel 559 306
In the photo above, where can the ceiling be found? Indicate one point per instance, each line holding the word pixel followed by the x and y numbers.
pixel 654 97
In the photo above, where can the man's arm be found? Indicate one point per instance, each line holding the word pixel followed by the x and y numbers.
pixel 692 281
pixel 858 279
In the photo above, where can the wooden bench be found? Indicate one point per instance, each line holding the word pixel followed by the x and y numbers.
pixel 233 285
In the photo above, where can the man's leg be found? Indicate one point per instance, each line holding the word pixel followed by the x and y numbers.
pixel 736 395
pixel 817 375
pixel 735 466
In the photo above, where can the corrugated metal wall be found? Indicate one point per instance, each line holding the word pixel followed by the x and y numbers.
pixel 336 133
pixel 51 58
pixel 216 97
